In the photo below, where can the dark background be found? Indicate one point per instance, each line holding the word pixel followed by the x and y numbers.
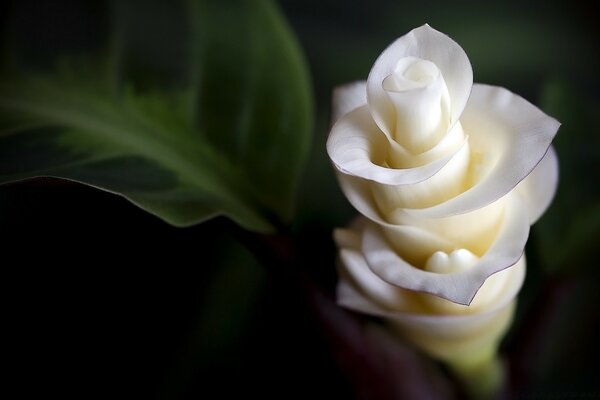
pixel 103 300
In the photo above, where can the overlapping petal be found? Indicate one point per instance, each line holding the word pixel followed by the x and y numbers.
pixel 460 287
pixel 539 187
pixel 358 148
pixel 348 97
pixel 428 44
pixel 458 334
pixel 448 177
pixel 508 137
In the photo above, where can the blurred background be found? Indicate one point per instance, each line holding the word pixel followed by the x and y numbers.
pixel 102 299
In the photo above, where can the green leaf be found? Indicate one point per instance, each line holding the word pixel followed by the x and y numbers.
pixel 232 307
pixel 264 85
pixel 230 141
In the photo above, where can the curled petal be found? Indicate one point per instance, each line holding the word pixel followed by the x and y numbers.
pixel 448 177
pixel 509 136
pixel 539 187
pixel 463 339
pixel 501 287
pixel 350 297
pixel 348 97
pixel 448 182
pixel 359 194
pixel 475 230
pixel 420 98
pixel 428 44
pixel 459 287
pixel 415 243
pixel 448 337
pixel 359 285
pixel 401 158
pixel 384 294
pixel 358 148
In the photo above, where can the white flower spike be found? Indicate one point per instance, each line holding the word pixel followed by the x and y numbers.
pixel 448 175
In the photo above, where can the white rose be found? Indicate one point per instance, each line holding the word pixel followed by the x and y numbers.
pixel 449 175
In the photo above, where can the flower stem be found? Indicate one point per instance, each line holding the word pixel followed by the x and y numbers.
pixel 482 378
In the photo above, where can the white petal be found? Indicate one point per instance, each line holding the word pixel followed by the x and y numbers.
pixel 355 270
pixel 451 143
pixel 499 288
pixel 416 244
pixel 348 97
pixel 509 135
pixel 449 337
pixel 448 182
pixel 456 338
pixel 421 102
pixel 359 194
pixel 428 44
pixel 474 230
pixel 460 287
pixel 357 147
pixel 539 187
pixel 355 273
pixel 350 297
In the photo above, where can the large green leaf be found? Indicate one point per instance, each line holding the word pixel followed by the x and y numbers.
pixel 231 139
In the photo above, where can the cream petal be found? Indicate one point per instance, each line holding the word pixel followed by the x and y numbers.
pixel 362 286
pixel 399 157
pixel 416 244
pixel 509 135
pixel 448 182
pixel 421 102
pixel 460 287
pixel 449 337
pixel 465 339
pixel 353 266
pixel 500 288
pixel 350 297
pixel 474 230
pixel 428 44
pixel 358 148
pixel 348 97
pixel 354 269
pixel 362 283
pixel 539 187
pixel 359 194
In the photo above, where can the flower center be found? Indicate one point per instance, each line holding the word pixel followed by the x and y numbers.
pixel 421 101
pixel 457 261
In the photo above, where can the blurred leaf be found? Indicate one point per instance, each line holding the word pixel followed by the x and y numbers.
pixel 233 142
pixel 569 231
pixel 230 307
pixel 264 83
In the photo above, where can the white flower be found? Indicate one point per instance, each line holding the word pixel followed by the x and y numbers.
pixel 449 175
